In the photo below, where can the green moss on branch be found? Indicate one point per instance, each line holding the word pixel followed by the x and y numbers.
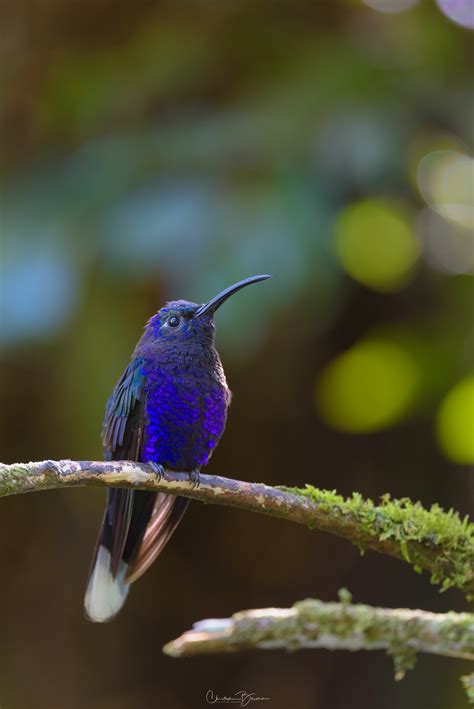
pixel 426 538
pixel 468 684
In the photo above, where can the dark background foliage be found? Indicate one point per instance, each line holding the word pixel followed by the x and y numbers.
pixel 160 150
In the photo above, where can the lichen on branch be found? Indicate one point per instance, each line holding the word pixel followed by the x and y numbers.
pixel 402 633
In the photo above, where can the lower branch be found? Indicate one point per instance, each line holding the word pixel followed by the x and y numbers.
pixel 468 683
pixel 433 540
pixel 335 626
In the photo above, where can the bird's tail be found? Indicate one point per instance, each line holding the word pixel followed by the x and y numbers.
pixel 106 592
pixel 135 528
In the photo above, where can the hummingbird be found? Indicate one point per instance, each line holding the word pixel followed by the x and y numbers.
pixel 168 409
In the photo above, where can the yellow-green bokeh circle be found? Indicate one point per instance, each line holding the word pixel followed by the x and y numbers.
pixel 376 244
pixel 455 422
pixel 367 388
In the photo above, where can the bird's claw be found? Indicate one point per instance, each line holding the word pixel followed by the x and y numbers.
pixel 194 478
pixel 157 469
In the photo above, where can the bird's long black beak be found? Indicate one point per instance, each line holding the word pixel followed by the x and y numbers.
pixel 221 297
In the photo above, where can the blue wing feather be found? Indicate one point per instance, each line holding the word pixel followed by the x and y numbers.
pixel 120 407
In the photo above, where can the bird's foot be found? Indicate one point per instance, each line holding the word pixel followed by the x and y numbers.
pixel 194 478
pixel 157 469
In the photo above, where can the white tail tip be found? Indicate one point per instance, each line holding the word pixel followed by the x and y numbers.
pixel 105 594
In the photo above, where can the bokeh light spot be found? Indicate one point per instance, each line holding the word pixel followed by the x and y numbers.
pixel 376 245
pixel 39 290
pixel 446 182
pixel 367 388
pixel 455 422
pixel 391 6
pixel 460 11
pixel 446 246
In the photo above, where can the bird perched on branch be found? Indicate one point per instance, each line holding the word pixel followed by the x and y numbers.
pixel 168 409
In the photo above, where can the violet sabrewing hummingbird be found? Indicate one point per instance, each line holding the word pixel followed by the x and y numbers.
pixel 168 409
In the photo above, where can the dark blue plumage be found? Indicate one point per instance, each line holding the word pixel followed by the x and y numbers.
pixel 169 407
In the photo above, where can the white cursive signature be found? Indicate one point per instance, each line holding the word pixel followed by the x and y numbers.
pixel 242 698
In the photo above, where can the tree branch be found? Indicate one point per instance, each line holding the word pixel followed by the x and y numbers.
pixel 335 626
pixel 468 684
pixel 433 540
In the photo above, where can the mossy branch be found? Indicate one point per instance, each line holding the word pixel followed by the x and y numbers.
pixel 432 540
pixel 336 626
pixel 468 684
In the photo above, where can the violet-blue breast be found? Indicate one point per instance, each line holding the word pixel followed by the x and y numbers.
pixel 168 409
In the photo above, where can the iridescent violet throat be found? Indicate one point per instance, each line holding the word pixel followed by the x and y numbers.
pixel 169 409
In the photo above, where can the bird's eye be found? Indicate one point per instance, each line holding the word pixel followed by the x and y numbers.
pixel 173 321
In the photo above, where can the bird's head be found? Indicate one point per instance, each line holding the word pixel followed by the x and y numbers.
pixel 180 321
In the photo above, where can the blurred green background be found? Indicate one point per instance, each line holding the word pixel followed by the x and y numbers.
pixel 165 150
